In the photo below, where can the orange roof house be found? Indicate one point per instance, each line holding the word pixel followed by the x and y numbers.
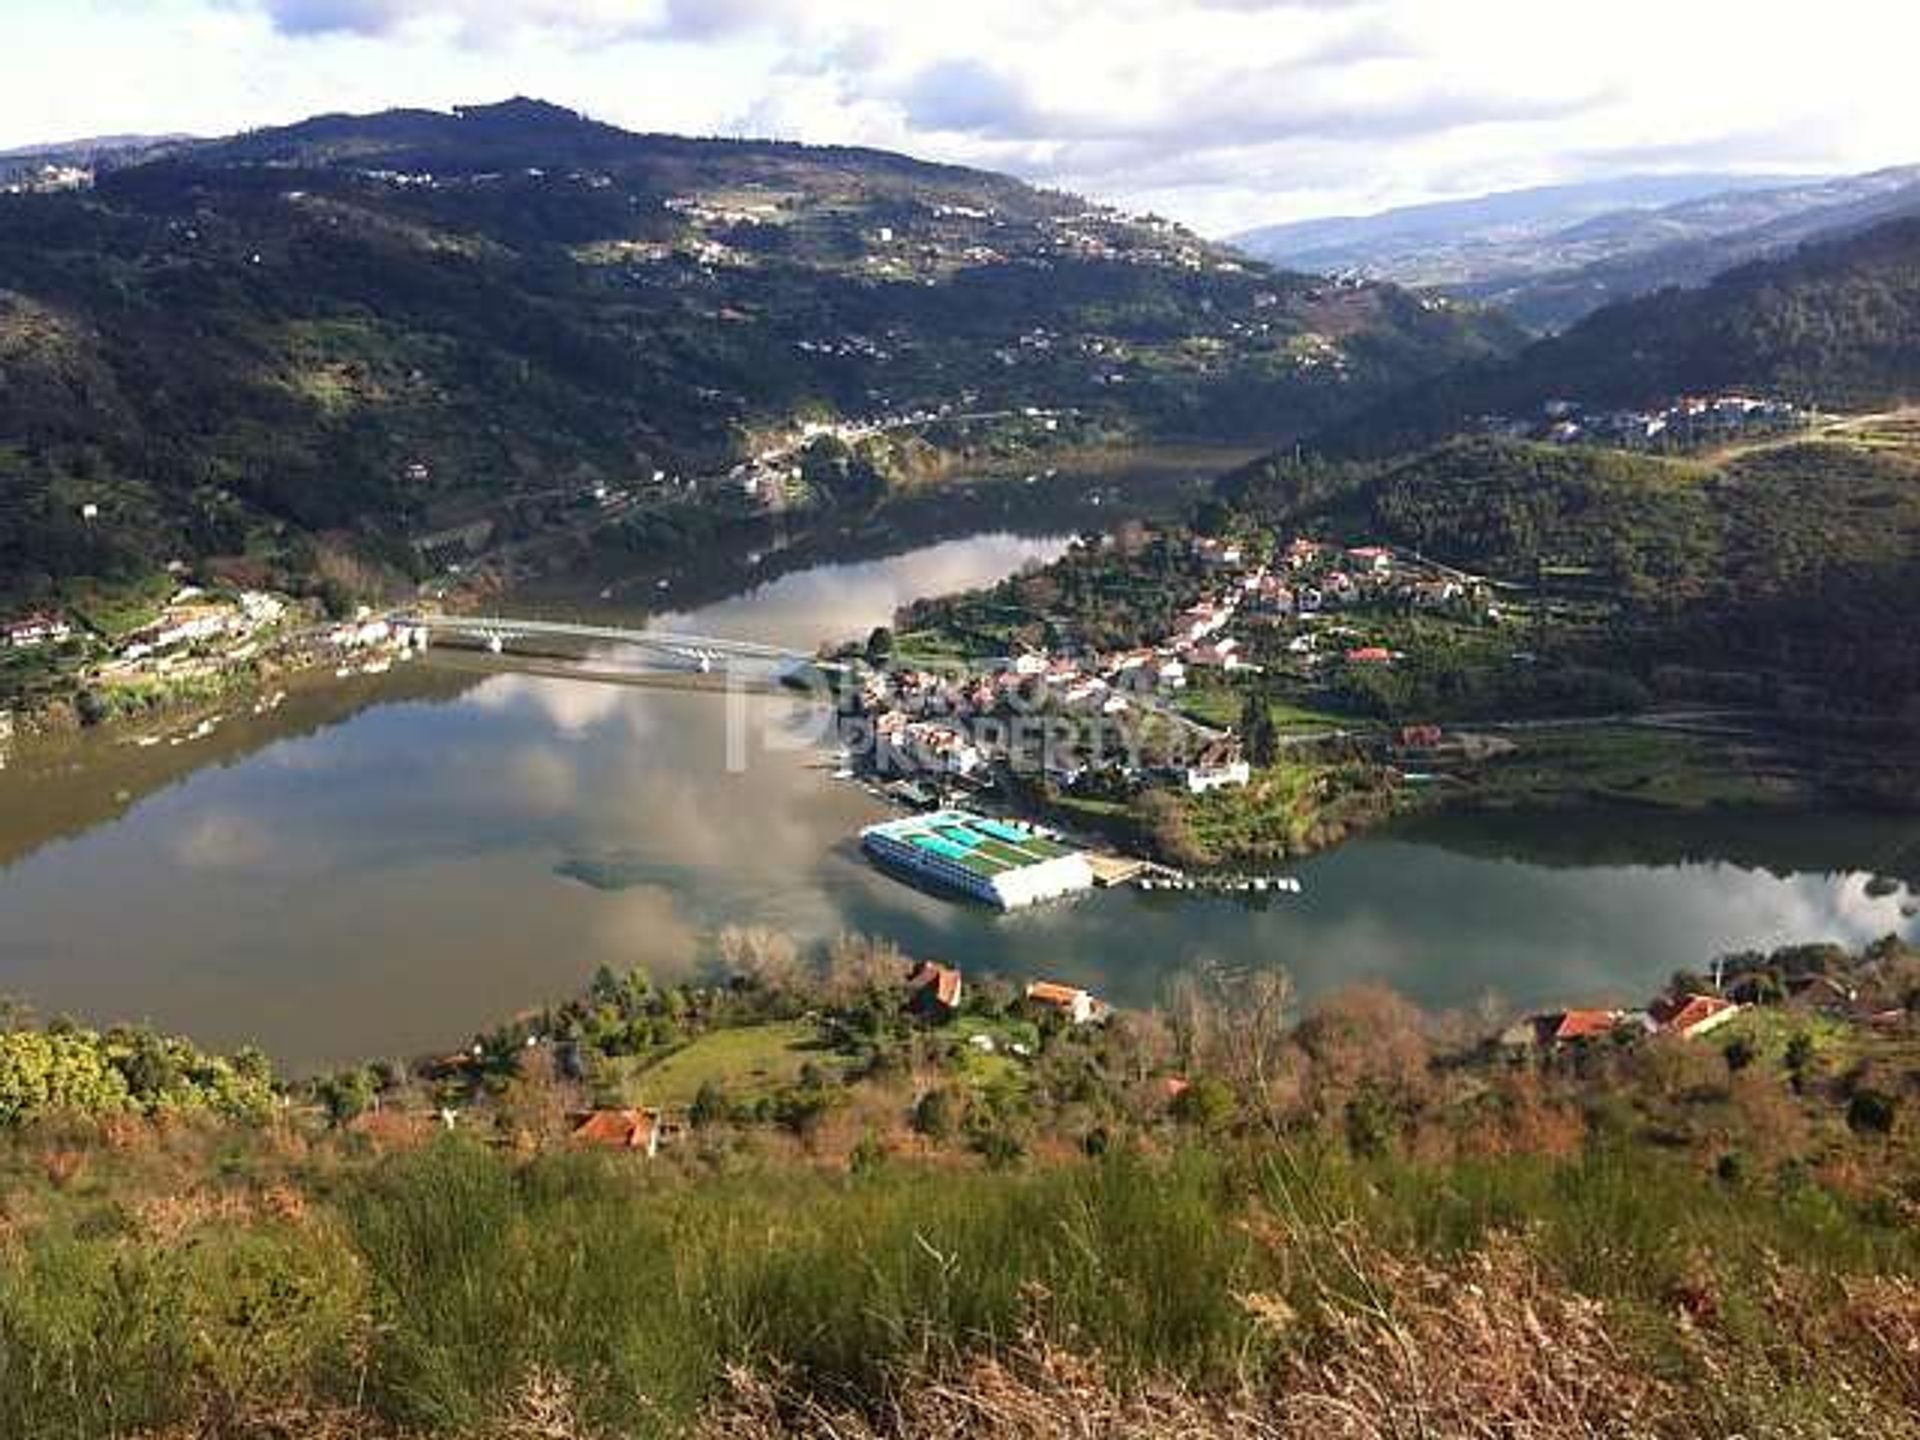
pixel 1692 1015
pixel 621 1130
pixel 1552 1028
pixel 1585 1025
pixel 934 988
pixel 1069 1000
pixel 1370 655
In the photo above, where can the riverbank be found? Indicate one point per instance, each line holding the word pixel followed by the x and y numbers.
pixel 242 886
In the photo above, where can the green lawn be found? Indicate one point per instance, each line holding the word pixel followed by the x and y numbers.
pixel 1633 764
pixel 745 1063
pixel 1221 707
pixel 118 609
pixel 1001 1070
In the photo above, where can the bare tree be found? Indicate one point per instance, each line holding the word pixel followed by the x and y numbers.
pixel 860 964
pixel 767 958
pixel 1235 1024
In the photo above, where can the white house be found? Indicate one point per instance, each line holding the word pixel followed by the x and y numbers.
pixel 1218 767
pixel 36 630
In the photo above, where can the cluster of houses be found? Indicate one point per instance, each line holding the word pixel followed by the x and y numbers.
pixel 930 722
pixel 46 179
pixel 1845 995
pixel 30 632
pixel 193 616
pixel 1688 1016
pixel 197 629
pixel 189 617
pixel 938 723
pixel 1306 581
pixel 1692 419
pixel 934 993
pixel 1309 577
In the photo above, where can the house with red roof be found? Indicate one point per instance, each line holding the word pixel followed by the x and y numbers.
pixel 1078 1006
pixel 1552 1029
pixel 620 1130
pixel 1690 1016
pixel 933 990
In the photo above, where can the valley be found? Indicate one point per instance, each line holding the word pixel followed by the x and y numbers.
pixel 670 785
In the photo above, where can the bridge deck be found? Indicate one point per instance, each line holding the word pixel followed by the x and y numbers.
pixel 483 625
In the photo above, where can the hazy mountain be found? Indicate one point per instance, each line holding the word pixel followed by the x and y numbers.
pixel 27 161
pixel 375 325
pixel 1835 323
pixel 1456 241
pixel 1689 243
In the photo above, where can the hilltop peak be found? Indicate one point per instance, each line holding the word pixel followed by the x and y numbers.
pixel 522 111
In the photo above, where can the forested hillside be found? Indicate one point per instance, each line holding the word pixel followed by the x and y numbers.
pixel 360 325
pixel 1834 325
pixel 1800 560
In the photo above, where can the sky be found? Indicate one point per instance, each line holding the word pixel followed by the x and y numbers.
pixel 1222 113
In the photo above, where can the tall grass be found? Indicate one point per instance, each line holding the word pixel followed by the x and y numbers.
pixel 100 1335
pixel 425 1291
pixel 644 1293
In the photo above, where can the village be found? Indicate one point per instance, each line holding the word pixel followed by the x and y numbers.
pixel 1075 716
pixel 194 644
pixel 1689 422
pixel 983 1045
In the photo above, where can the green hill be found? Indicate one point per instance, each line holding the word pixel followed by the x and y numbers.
pixel 1799 560
pixel 1833 325
pixel 371 326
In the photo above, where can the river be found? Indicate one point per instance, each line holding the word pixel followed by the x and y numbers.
pixel 382 866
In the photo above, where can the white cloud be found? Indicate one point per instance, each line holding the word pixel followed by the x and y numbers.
pixel 1224 112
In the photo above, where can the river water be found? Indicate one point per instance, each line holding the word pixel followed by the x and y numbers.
pixel 382 866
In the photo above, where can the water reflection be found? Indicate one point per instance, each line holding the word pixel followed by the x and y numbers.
pixel 387 882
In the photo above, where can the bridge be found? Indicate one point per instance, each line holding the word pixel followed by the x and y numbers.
pixel 498 632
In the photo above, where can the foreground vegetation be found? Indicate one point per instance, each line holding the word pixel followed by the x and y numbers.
pixel 1363 1221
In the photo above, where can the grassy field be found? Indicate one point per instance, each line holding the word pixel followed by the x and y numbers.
pixel 747 1063
pixel 1636 765
pixel 1222 707
pixel 454 1291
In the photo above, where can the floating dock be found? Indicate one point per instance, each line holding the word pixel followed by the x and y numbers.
pixel 1112 870
pixel 998 862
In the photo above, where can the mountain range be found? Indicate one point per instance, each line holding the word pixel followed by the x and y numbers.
pixel 360 327
pixel 1832 325
pixel 1548 256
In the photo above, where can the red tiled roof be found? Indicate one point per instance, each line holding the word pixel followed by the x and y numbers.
pixel 1585 1024
pixel 1369 655
pixel 617 1129
pixel 1688 1014
pixel 942 980
pixel 1047 992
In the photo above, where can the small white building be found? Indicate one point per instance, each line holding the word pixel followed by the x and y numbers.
pixel 1219 767
pixel 35 630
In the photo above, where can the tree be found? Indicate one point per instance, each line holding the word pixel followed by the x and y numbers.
pixel 1258 732
pixel 933 1116
pixel 1234 1025
pixel 1207 1104
pixel 860 966
pixel 347 1094
pixel 709 1106
pixel 879 645
pixel 1871 1112
pixel 766 959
